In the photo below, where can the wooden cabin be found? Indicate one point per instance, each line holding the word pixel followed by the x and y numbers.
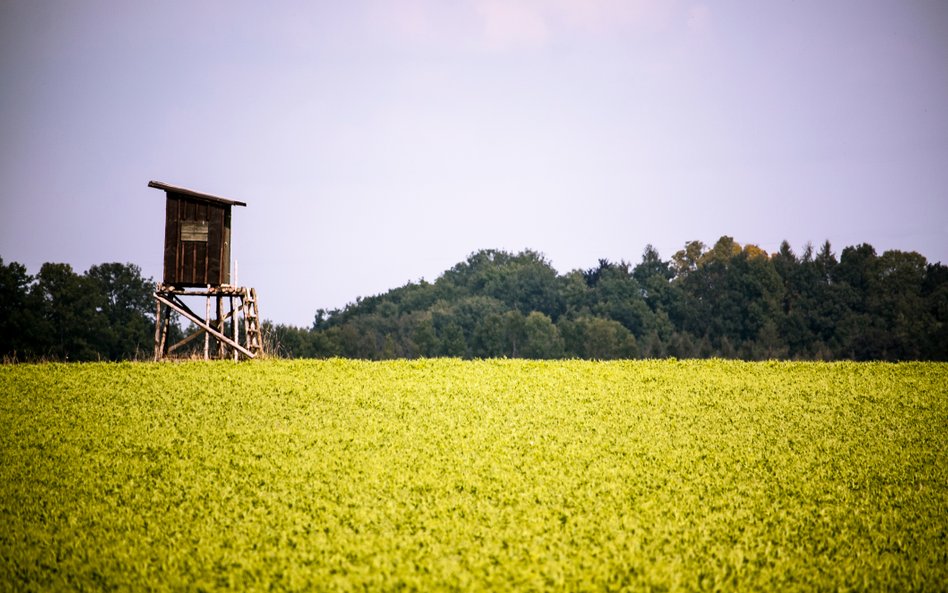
pixel 197 237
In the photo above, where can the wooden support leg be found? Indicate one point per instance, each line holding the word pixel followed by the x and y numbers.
pixel 219 324
pixel 245 307
pixel 164 333
pixel 158 332
pixel 233 324
pixel 207 321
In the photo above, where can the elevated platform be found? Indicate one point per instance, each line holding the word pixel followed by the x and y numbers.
pixel 234 330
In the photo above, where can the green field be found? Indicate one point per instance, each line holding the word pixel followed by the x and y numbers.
pixel 483 475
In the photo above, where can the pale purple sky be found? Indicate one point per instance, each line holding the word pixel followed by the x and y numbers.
pixel 378 142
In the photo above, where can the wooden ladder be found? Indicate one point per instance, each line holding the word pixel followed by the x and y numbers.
pixel 252 321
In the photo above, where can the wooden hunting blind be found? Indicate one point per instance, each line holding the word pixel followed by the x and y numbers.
pixel 197 237
pixel 197 257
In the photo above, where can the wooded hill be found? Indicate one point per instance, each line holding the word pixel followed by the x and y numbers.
pixel 725 301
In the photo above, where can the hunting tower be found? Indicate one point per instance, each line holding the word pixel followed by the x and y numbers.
pixel 197 263
pixel 197 237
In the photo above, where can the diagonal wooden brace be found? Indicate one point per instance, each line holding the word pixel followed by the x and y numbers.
pixel 184 310
pixel 180 343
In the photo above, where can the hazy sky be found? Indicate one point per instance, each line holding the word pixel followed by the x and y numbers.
pixel 378 142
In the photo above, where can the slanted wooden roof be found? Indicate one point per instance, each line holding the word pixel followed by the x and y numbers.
pixel 193 194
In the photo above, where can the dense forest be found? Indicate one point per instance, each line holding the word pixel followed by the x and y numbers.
pixel 107 313
pixel 720 301
pixel 724 300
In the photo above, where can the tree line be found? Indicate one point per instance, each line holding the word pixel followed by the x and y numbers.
pixel 106 313
pixel 724 300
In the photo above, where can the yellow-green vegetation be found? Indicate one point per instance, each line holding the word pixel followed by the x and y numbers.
pixel 497 475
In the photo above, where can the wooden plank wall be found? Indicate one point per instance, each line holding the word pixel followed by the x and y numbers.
pixel 171 239
pixel 196 263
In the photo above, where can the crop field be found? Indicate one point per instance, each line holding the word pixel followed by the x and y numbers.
pixel 497 475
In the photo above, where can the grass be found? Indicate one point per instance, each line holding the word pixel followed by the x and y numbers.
pixel 474 475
